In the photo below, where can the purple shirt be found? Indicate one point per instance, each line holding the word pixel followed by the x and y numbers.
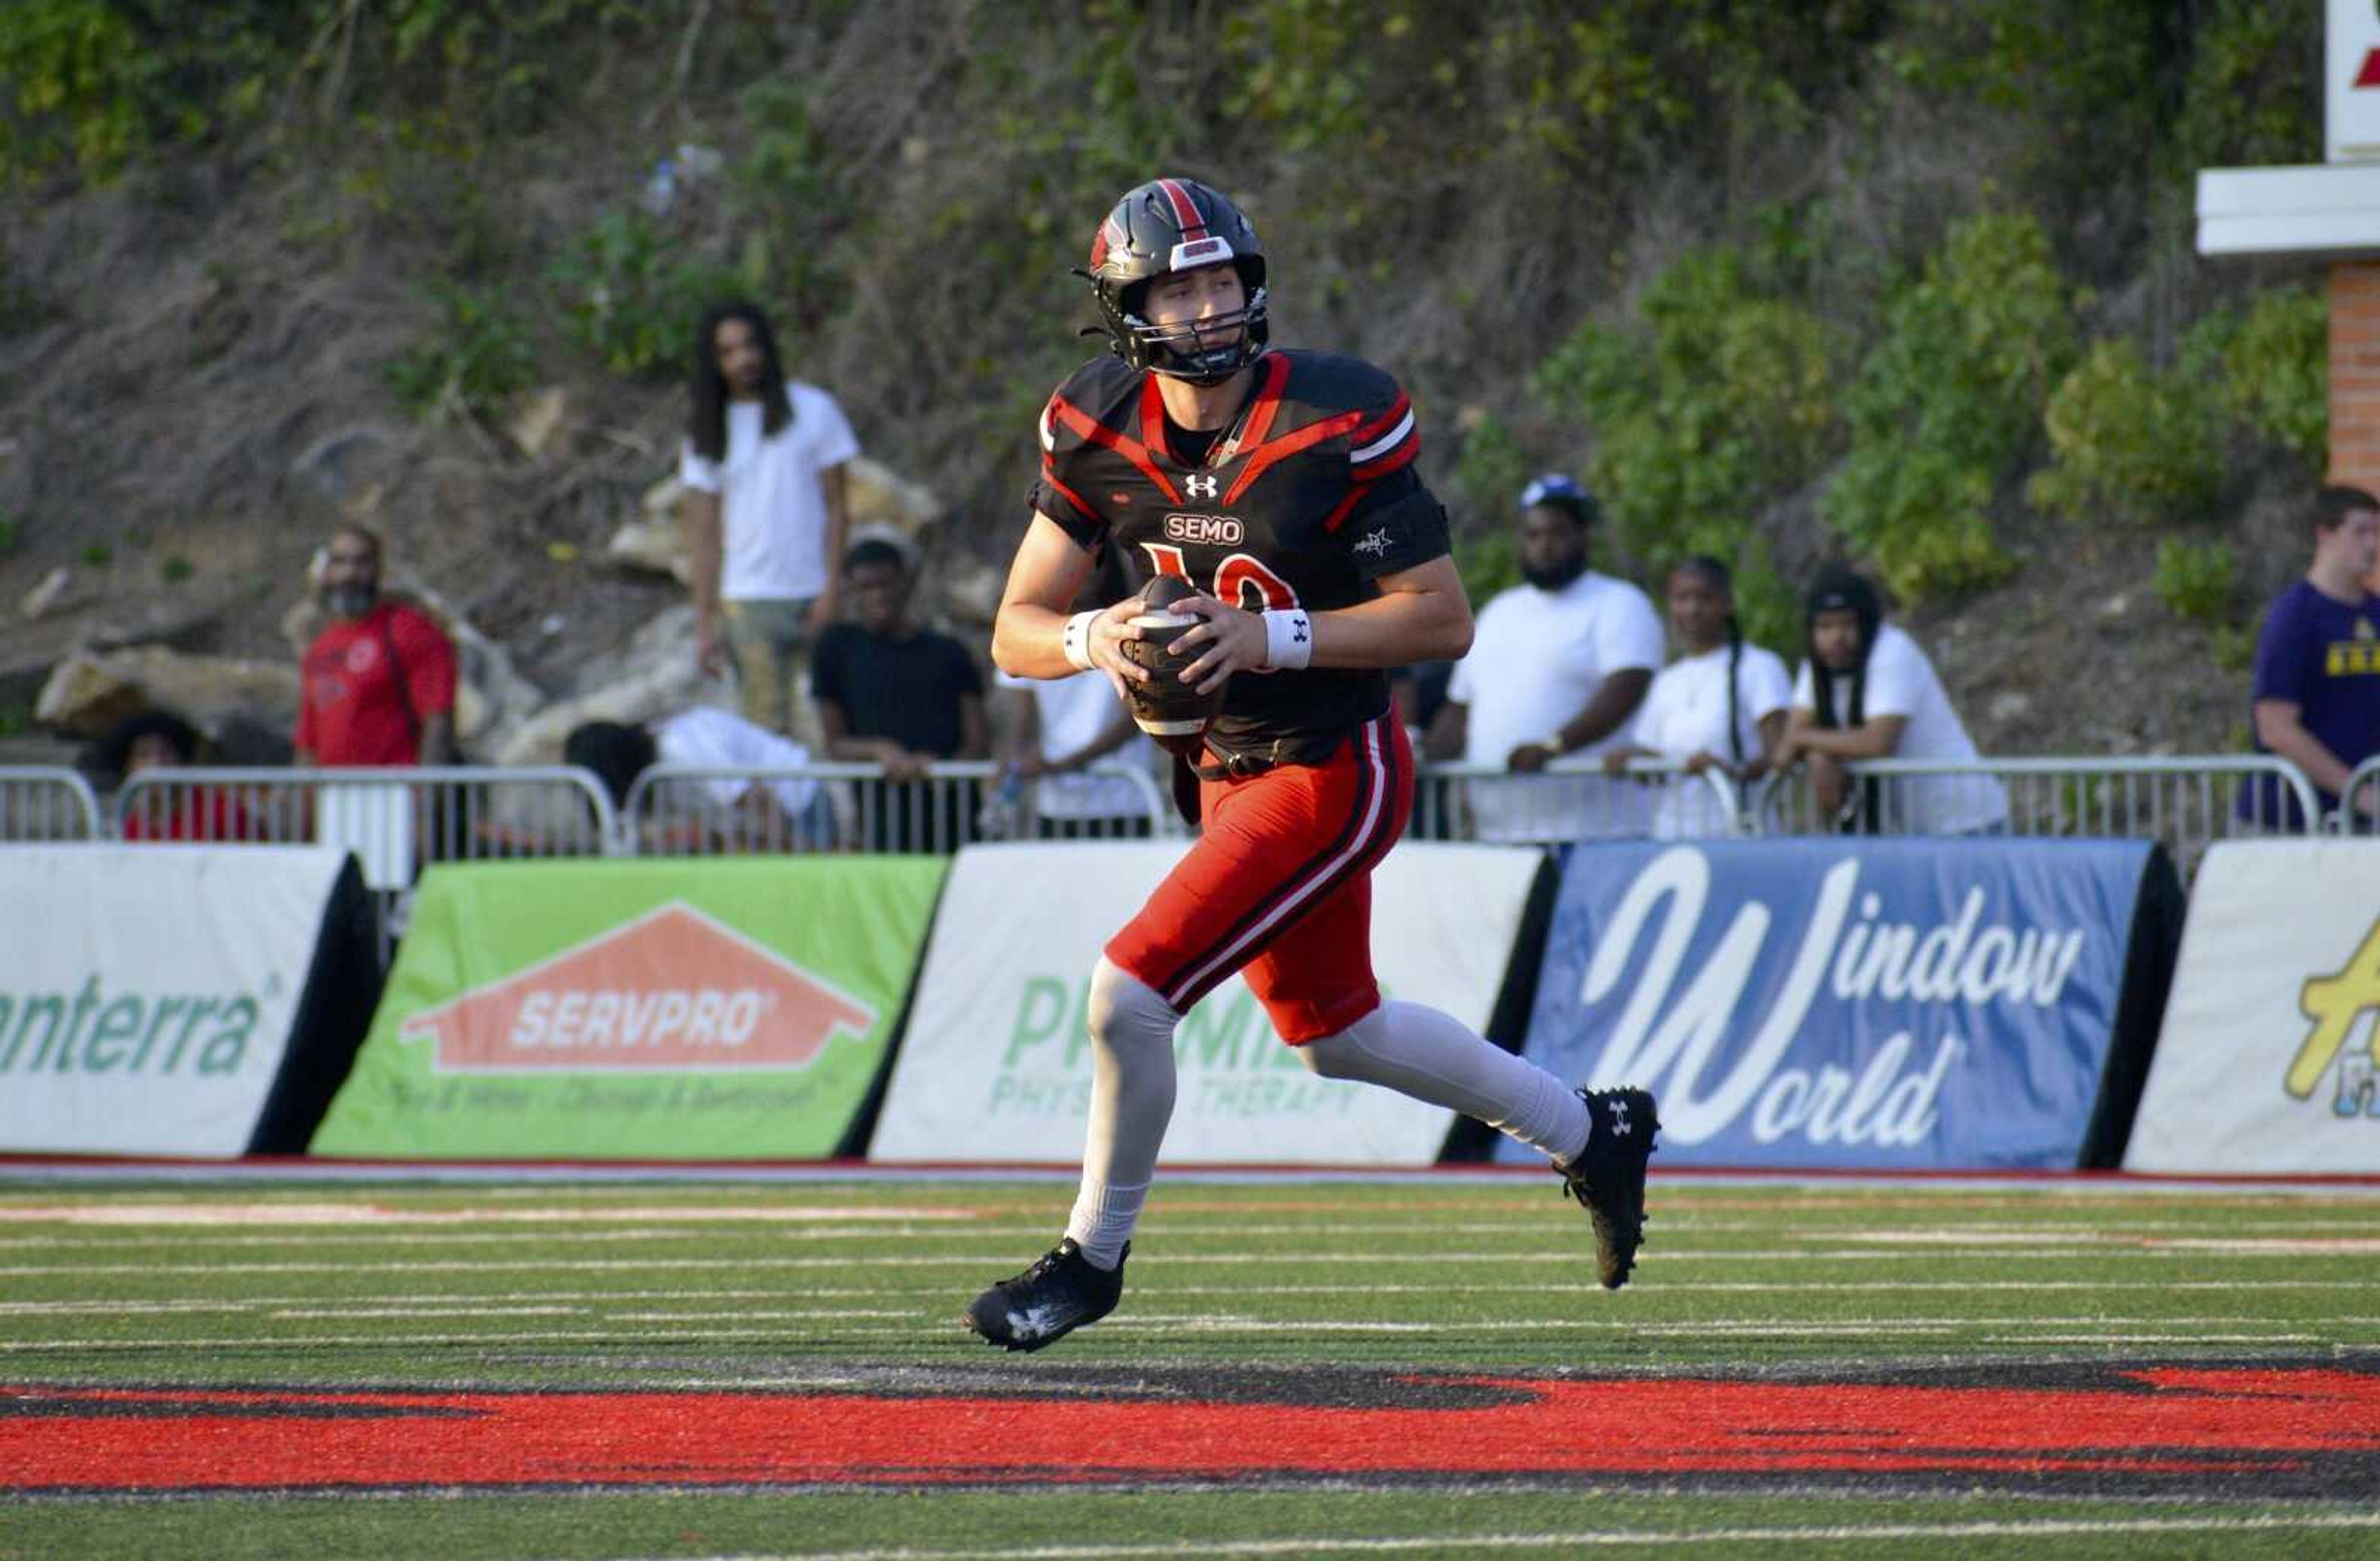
pixel 2324 657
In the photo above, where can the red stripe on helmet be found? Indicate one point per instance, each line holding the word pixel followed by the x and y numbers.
pixel 1185 210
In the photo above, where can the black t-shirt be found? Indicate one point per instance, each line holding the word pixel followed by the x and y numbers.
pixel 907 689
pixel 1306 499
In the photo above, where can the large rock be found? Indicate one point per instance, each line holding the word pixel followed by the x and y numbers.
pixel 88 693
pixel 656 675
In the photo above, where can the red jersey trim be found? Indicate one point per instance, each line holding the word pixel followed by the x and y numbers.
pixel 1131 449
pixel 1277 450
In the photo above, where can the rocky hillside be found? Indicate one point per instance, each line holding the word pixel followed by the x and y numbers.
pixel 1906 282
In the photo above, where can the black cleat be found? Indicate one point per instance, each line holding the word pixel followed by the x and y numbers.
pixel 1060 1293
pixel 1608 1177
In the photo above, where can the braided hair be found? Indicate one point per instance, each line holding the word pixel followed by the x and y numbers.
pixel 707 426
pixel 1837 589
pixel 1714 574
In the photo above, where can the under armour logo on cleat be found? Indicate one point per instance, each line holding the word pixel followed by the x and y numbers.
pixel 1618 1110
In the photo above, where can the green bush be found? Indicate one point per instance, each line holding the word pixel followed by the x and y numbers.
pixel 629 299
pixel 480 355
pixel 1722 401
pixel 2197 580
pixel 2129 444
pixel 12 531
pixel 2277 370
pixel 98 555
pixel 174 568
pixel 1945 402
pixel 2245 103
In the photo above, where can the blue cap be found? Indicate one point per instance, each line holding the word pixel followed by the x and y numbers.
pixel 1561 493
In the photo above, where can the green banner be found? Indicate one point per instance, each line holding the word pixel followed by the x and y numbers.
pixel 636 1010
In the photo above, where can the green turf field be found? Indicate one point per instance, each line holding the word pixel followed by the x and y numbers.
pixel 1301 1367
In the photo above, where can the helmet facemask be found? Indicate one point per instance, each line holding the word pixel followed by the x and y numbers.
pixel 1200 351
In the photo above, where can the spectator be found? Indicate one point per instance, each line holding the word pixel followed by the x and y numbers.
pixel 1867 691
pixel 766 510
pixel 1057 728
pixel 377 685
pixel 158 739
pixel 897 696
pixel 1558 665
pixel 1721 705
pixel 713 813
pixel 2317 680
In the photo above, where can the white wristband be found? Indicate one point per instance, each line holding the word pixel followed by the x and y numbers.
pixel 1078 640
pixel 1289 638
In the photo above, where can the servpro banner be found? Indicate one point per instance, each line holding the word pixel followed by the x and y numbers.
pixel 2270 1056
pixel 648 1010
pixel 996 1064
pixel 1885 1003
pixel 162 999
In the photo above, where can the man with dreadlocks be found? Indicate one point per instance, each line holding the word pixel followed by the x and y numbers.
pixel 765 510
pixel 1721 705
pixel 1867 691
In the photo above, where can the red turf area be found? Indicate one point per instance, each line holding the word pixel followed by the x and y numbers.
pixel 2152 1422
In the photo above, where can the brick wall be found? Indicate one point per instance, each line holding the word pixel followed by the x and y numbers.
pixel 2355 372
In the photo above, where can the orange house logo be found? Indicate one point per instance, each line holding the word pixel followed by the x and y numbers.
pixel 673 990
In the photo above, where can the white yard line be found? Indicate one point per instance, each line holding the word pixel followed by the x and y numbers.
pixel 1459 1543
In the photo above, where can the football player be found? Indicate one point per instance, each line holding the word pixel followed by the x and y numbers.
pixel 1281 485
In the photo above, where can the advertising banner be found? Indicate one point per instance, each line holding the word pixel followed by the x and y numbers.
pixel 739 1009
pixel 996 1064
pixel 2269 1061
pixel 1882 1003
pixel 151 995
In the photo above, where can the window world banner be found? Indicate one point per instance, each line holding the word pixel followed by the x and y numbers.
pixel 732 1009
pixel 1920 1004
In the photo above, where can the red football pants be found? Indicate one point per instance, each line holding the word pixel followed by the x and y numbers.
pixel 1280 886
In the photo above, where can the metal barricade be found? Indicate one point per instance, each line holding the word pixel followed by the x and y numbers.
pixel 47 802
pixel 683 809
pixel 1573 800
pixel 2185 801
pixel 2359 805
pixel 394 819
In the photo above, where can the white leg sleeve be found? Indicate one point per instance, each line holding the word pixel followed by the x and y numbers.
pixel 1132 1100
pixel 1431 1056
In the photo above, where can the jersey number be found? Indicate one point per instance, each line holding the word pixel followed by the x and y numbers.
pixel 1240 580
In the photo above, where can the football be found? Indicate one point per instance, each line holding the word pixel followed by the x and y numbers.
pixel 1172 712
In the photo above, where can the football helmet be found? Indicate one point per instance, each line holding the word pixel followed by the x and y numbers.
pixel 1161 227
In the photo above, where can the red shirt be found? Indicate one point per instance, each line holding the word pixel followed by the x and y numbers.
pixel 206 812
pixel 351 708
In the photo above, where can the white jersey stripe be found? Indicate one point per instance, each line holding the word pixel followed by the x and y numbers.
pixel 1385 443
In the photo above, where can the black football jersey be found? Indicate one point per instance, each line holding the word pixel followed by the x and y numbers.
pixel 1303 501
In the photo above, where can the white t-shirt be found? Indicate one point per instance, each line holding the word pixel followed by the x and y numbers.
pixel 1684 714
pixel 1070 715
pixel 711 738
pixel 1536 659
pixel 1901 682
pixel 773 514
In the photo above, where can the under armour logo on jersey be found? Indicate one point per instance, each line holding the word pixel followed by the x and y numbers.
pixel 1619 1112
pixel 1373 542
pixel 1203 486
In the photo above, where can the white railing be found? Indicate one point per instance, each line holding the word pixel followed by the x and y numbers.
pixel 677 809
pixel 48 802
pixel 2359 805
pixel 395 819
pixel 1571 801
pixel 2187 802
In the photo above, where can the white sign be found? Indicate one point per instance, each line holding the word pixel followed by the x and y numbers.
pixel 2269 1061
pixel 996 1063
pixel 2351 71
pixel 147 992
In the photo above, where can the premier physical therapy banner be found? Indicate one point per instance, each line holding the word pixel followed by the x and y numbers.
pixel 648 1010
pixel 1879 1004
pixel 2270 1056
pixel 180 1000
pixel 996 1064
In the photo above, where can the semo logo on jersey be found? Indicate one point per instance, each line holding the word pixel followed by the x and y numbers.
pixel 1212 531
